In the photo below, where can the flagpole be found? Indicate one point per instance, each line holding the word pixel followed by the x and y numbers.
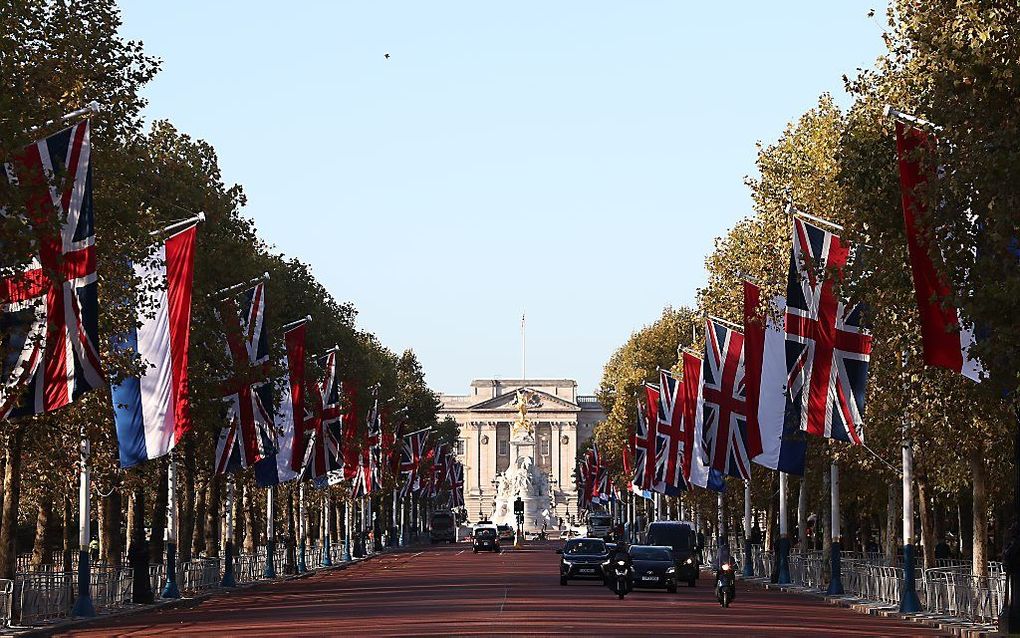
pixel 346 557
pixel 83 604
pixel 836 578
pixel 748 567
pixel 197 219
pixel 224 292
pixel 302 566
pixel 91 108
pixel 403 521
pixel 170 588
pixel 783 556
pixel 228 566
pixel 906 118
pixel 327 559
pixel 735 326
pixel 909 602
pixel 392 540
pixel 270 569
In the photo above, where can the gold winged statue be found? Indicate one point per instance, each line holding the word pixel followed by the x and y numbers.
pixel 522 426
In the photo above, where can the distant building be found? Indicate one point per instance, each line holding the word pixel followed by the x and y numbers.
pixel 562 420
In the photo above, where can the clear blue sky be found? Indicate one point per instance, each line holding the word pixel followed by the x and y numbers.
pixel 571 159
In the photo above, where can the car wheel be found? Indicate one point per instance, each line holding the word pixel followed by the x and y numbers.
pixel 563 581
pixel 474 549
pixel 690 583
pixel 671 589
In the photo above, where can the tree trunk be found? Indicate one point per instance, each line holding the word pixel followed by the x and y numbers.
pixel 156 540
pixel 238 515
pixel 290 565
pixel 891 527
pixel 69 528
pixel 924 507
pixel 110 528
pixel 138 552
pixel 42 550
pixel 187 501
pixel 198 534
pixel 251 528
pixel 964 513
pixel 213 506
pixel 12 500
pixel 979 513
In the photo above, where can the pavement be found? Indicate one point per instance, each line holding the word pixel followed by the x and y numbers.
pixel 448 590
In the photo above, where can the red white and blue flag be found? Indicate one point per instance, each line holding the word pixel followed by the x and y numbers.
pixel 770 442
pixel 456 479
pixel 411 453
pixel 945 338
pixel 291 418
pixel 152 411
pixel 696 459
pixel 827 347
pixel 644 445
pixel 723 425
pixel 50 308
pixel 669 447
pixel 247 437
pixel 322 442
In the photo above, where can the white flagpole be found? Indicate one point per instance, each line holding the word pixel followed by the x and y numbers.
pixel 170 589
pixel 83 604
pixel 270 570
pixel 783 555
pixel 748 568
pixel 327 558
pixel 228 567
pixel 836 580
pixel 302 566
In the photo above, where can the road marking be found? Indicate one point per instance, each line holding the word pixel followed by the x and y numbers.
pixel 506 591
pixel 461 552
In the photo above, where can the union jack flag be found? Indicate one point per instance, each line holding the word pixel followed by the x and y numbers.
pixel 724 424
pixel 827 347
pixel 50 310
pixel 322 454
pixel 411 454
pixel 669 444
pixel 644 442
pixel 456 485
pixel 247 437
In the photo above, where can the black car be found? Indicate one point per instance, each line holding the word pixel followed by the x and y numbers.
pixel 582 558
pixel 653 566
pixel 680 537
pixel 485 538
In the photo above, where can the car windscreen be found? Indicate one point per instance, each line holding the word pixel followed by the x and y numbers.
pixel 585 546
pixel 442 522
pixel 651 553
pixel 675 536
pixel 600 520
pixel 485 532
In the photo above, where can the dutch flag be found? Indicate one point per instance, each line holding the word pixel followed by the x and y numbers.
pixel 152 412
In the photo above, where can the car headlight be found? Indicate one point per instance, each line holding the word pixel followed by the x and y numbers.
pixel 671 570
pixel 726 567
pixel 690 561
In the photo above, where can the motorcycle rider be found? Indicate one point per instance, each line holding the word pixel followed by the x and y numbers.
pixel 620 554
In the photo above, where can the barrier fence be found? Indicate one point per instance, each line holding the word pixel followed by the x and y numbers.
pixel 950 589
pixel 45 593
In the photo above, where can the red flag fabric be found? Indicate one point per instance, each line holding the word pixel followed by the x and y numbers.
pixel 945 341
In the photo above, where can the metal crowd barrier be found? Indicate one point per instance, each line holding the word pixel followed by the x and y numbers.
pixel 6 601
pixel 950 592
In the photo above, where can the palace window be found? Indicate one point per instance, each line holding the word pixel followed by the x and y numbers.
pixel 460 447
pixel 503 447
pixel 543 447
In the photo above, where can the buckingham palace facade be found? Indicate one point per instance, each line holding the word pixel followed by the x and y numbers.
pixel 562 422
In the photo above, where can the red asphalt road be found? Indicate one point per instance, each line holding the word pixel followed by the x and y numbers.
pixel 448 590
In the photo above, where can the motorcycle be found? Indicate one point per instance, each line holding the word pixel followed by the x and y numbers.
pixel 621 578
pixel 725 584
